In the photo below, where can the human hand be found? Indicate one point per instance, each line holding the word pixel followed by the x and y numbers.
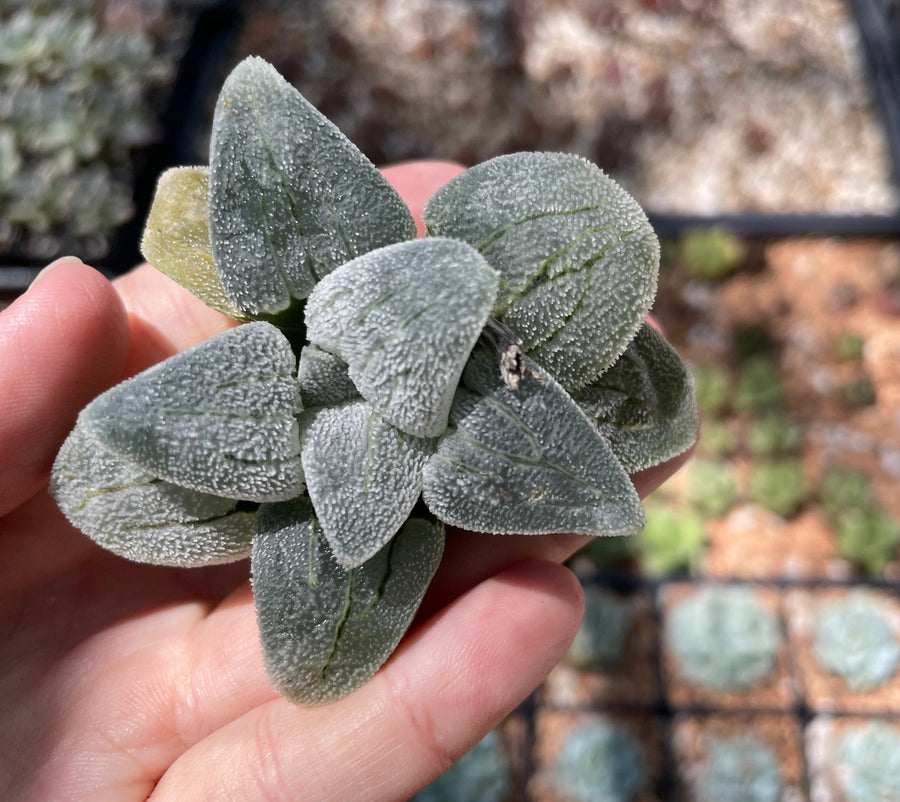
pixel 121 681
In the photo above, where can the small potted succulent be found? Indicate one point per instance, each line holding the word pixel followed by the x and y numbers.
pixel 497 374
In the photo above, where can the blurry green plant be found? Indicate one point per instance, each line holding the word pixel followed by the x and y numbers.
pixel 858 393
pixel 713 388
pixel 759 386
pixel 750 340
pixel 853 638
pixel 779 485
pixel 711 254
pixel 482 774
pixel 722 638
pixel 603 635
pixel 867 760
pixel 739 769
pixel 74 105
pixel 712 487
pixel 849 346
pixel 867 535
pixel 600 760
pixel 717 439
pixel 671 541
pixel 773 435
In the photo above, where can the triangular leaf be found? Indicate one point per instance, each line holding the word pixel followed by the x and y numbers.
pixel 136 515
pixel 644 405
pixel 324 630
pixel 324 378
pixel 577 257
pixel 363 475
pixel 291 197
pixel 218 417
pixel 405 319
pixel 526 461
pixel 176 236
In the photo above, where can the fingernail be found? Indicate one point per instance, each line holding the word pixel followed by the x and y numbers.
pixel 40 276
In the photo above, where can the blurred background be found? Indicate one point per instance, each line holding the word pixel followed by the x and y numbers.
pixel 747 644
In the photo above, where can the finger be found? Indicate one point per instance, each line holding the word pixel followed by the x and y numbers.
pixel 165 317
pixel 443 690
pixel 418 181
pixel 63 342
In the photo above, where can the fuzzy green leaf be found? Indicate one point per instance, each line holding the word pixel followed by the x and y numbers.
pixel 405 319
pixel 577 257
pixel 363 475
pixel 218 417
pixel 526 461
pixel 176 236
pixel 324 378
pixel 325 630
pixel 291 198
pixel 136 515
pixel 644 405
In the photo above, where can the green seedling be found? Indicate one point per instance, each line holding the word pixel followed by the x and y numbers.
pixel 779 485
pixel 774 435
pixel 849 346
pixel 497 375
pixel 723 638
pixel 858 393
pixel 712 488
pixel 671 541
pixel 714 389
pixel 759 386
pixel 853 638
pixel 711 254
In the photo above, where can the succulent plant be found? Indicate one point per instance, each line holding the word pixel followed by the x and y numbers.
pixel 853 638
pixel 603 635
pixel 739 769
pixel 779 485
pixel 759 386
pixel 722 638
pixel 600 760
pixel 868 759
pixel 711 254
pixel 713 387
pixel 435 381
pixel 671 540
pixel 849 346
pixel 74 102
pixel 712 488
pixel 482 774
pixel 774 434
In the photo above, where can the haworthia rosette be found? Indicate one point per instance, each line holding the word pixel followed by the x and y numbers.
pixel 219 417
pixel 644 405
pixel 363 476
pixel 290 197
pixel 577 257
pixel 326 630
pixel 138 516
pixel 526 461
pixel 176 236
pixel 405 318
pixel 324 378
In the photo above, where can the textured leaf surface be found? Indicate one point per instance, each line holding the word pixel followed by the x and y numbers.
pixel 176 236
pixel 136 515
pixel 577 257
pixel 218 417
pixel 363 475
pixel 526 461
pixel 291 198
pixel 324 378
pixel 644 405
pixel 405 319
pixel 325 630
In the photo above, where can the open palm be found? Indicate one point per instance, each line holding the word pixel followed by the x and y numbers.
pixel 123 681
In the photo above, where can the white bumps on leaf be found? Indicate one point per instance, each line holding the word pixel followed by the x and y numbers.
pixel 644 405
pixel 290 197
pixel 176 236
pixel 136 515
pixel 325 630
pixel 577 257
pixel 324 378
pixel 363 476
pixel 219 417
pixel 526 461
pixel 405 318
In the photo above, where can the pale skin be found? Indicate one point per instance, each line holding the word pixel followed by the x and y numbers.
pixel 121 681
